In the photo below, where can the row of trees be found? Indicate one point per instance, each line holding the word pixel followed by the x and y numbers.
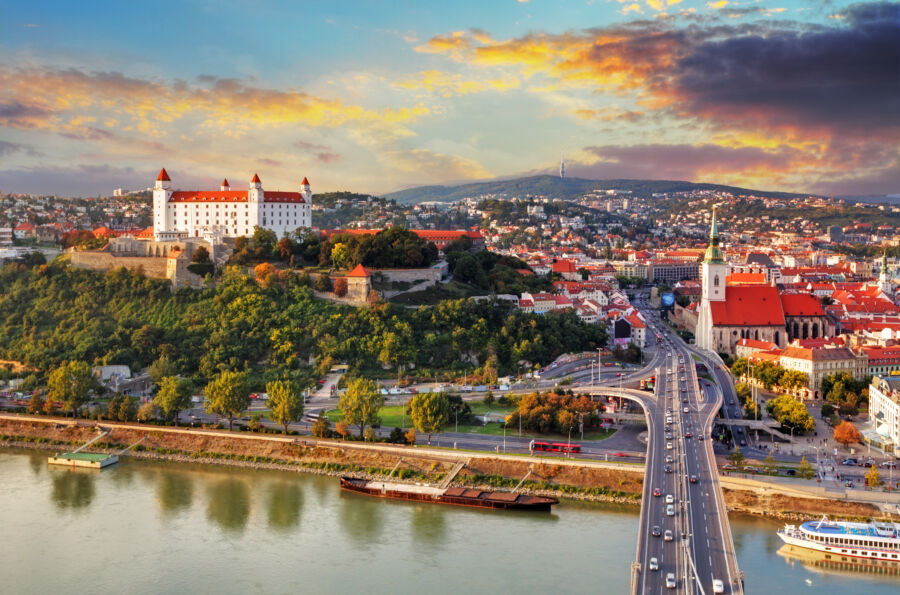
pixel 769 375
pixel 790 413
pixel 846 393
pixel 553 412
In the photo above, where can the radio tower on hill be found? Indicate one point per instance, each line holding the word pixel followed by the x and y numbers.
pixel 562 167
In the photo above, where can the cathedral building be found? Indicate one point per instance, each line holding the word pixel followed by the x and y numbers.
pixel 745 306
pixel 213 214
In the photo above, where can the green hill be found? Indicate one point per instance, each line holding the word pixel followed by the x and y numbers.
pixel 565 188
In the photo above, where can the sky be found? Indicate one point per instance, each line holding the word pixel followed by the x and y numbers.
pixel 378 96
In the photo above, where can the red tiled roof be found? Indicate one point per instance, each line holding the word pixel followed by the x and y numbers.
pixel 748 305
pixel 359 271
pixel 764 345
pixel 305 182
pixel 801 304
pixel 163 176
pixel 563 266
pixel 25 227
pixel 232 196
pixel 255 179
pixel 745 278
pixel 225 183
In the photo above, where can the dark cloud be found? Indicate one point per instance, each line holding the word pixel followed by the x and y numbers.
pixel 841 79
pixel 8 148
pixel 21 115
pixel 678 162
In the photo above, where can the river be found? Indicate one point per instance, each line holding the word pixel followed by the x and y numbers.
pixel 146 527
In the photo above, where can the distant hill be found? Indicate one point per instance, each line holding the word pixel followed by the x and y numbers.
pixel 565 188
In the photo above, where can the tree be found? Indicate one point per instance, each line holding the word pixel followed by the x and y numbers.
pixel 200 256
pixel 370 435
pixel 827 410
pixel 410 436
pixel 128 410
pixel 396 436
pixel 228 394
pixel 36 403
pixel 147 412
pixel 805 470
pixel 162 368
pixel 340 256
pixel 174 395
pixel 566 419
pixel 736 458
pixel 340 286
pixel 342 429
pixel 285 248
pixel 265 273
pixel 873 477
pixel 428 412
pixel 360 403
pixel 846 433
pixel 70 384
pixel 286 402
pixel 321 428
pixel 323 283
pixel 769 463
pixel 790 413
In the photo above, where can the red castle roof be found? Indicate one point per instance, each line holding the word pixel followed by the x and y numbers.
pixel 163 176
pixel 305 182
pixel 801 304
pixel 255 179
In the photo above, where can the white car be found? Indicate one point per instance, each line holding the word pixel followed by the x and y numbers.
pixel 668 446
pixel 670 499
pixel 670 580
pixel 667 536
pixel 718 586
pixel 686 410
pixel 670 510
pixel 654 564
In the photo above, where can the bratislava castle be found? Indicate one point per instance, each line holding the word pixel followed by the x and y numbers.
pixel 226 212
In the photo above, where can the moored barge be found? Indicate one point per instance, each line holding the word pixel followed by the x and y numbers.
pixel 454 496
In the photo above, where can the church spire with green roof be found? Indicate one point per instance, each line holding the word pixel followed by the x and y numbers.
pixel 713 252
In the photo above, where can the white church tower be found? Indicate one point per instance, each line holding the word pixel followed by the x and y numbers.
pixel 562 167
pixel 884 279
pixel 712 280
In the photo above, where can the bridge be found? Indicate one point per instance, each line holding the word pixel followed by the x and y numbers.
pixel 701 549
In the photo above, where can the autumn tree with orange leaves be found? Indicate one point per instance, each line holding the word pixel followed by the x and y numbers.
pixel 846 433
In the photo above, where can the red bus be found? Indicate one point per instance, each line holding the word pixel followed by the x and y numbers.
pixel 556 447
pixel 563 447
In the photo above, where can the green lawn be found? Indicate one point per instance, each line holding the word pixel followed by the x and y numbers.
pixel 453 290
pixel 395 416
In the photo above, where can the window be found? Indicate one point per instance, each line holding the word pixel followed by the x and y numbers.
pixel 716 281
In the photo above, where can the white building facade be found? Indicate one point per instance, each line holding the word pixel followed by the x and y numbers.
pixel 179 214
pixel 884 407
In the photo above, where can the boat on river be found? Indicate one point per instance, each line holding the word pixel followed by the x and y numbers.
pixel 871 541
pixel 452 495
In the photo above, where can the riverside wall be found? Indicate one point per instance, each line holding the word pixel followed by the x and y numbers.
pixel 571 478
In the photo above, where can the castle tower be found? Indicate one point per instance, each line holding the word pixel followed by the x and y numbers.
pixel 255 194
pixel 162 192
pixel 713 272
pixel 305 191
pixel 225 186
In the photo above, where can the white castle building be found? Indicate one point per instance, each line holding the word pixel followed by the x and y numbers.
pixel 213 214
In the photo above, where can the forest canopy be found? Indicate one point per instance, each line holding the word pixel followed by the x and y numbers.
pixel 55 313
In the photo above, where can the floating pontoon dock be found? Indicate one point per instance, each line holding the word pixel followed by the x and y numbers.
pixel 91 460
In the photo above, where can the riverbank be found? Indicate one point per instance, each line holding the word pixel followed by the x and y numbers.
pixel 566 479
pixel 572 478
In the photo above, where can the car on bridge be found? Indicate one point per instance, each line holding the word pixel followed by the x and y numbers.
pixel 667 536
pixel 670 580
pixel 656 531
pixel 654 564
pixel 670 510
pixel 693 479
pixel 657 492
pixel 670 499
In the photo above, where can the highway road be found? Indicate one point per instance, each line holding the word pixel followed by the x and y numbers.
pixel 702 548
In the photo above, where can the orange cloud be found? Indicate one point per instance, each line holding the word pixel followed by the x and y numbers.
pixel 448 85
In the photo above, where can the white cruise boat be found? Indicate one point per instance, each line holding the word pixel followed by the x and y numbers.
pixel 873 541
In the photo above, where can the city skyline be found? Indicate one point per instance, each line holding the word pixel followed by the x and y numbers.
pixel 792 95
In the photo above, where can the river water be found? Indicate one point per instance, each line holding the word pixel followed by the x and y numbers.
pixel 142 527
